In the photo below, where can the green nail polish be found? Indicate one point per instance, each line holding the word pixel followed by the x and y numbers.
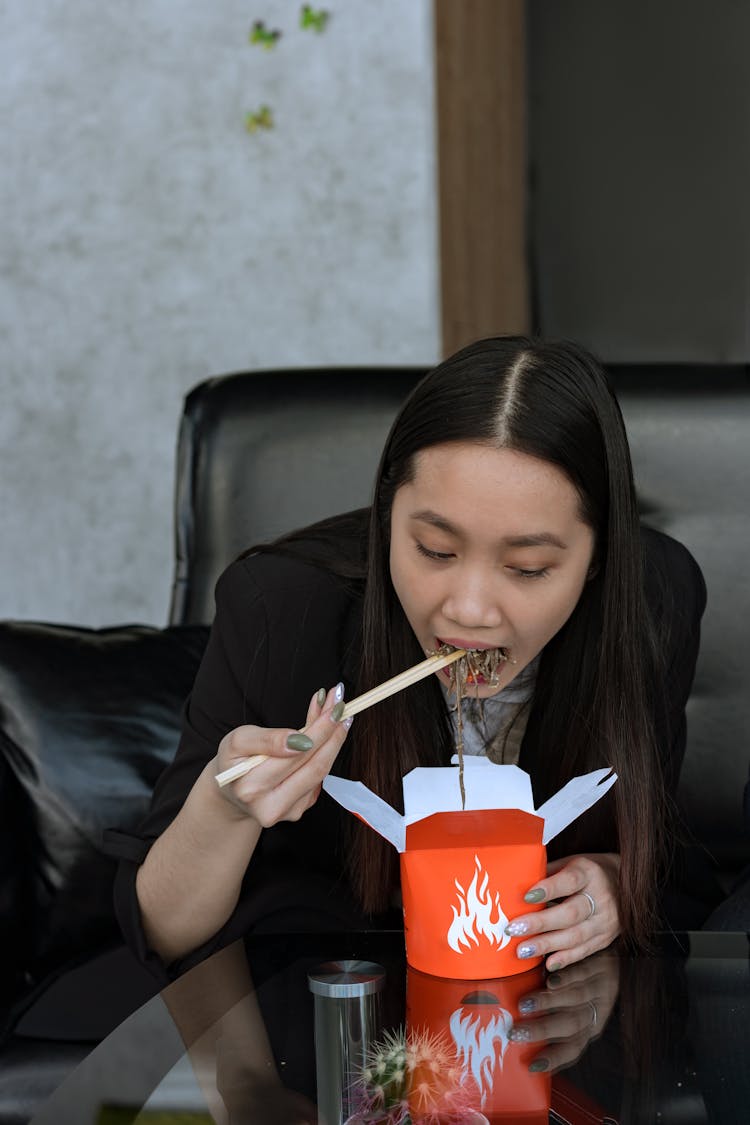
pixel 539 1064
pixel 536 895
pixel 299 742
pixel 321 696
pixel 337 711
pixel 554 969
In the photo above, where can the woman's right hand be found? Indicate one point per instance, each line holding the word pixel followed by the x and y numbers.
pixel 289 782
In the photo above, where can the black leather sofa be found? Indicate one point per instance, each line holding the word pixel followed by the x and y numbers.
pixel 89 717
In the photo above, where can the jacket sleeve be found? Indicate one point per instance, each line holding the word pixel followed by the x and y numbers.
pixel 280 631
pixel 235 656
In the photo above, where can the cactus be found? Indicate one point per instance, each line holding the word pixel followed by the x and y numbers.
pixel 414 1079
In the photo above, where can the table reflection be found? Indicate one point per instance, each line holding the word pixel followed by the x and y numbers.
pixel 392 1045
pixel 658 1038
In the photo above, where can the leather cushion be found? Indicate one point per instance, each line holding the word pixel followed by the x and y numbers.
pixel 14 890
pixel 88 719
pixel 262 452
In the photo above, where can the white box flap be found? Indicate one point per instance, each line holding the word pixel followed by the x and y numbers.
pixel 358 799
pixel 433 789
pixel 428 790
pixel 573 799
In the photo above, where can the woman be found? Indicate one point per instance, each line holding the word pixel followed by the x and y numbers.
pixel 504 516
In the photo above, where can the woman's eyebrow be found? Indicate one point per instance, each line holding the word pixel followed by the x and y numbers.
pixel 540 539
pixel 425 515
pixel 543 539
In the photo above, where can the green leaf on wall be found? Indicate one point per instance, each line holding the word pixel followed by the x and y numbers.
pixel 262 36
pixel 313 19
pixel 310 19
pixel 261 118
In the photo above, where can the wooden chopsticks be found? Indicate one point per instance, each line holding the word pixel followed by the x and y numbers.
pixel 402 680
pixel 361 703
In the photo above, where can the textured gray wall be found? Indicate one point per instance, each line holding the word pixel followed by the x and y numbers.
pixel 148 241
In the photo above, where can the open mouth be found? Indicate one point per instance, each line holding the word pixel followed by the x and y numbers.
pixel 479 668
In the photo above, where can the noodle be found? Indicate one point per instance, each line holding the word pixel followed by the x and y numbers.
pixel 465 673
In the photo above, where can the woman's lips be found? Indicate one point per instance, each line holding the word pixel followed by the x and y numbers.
pixel 454 642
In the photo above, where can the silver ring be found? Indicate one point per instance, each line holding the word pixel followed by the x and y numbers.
pixel 594 1015
pixel 592 904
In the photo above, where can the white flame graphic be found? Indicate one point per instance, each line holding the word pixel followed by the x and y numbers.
pixel 481 1041
pixel 474 915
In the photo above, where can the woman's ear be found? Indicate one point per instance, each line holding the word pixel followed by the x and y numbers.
pixel 592 571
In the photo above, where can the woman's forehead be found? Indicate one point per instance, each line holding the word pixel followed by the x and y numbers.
pixel 470 487
pixel 475 465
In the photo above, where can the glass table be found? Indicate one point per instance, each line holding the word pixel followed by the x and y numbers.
pixel 336 1028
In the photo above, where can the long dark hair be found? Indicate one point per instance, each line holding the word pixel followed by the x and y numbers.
pixel 593 699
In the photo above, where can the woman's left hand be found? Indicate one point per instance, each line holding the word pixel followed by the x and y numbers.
pixel 583 915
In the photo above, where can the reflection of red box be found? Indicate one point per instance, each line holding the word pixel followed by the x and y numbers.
pixel 474 1017
pixel 464 871
pixel 463 876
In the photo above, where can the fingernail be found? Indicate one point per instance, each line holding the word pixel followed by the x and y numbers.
pixel 321 696
pixel 539 1064
pixel 520 1034
pixel 299 742
pixel 554 968
pixel 348 722
pixel 537 895
pixel 338 694
pixel 554 979
pixel 528 1005
pixel 516 929
pixel 337 711
pixel 527 950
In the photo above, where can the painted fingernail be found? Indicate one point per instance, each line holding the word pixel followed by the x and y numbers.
pixel 526 950
pixel 537 895
pixel 527 1005
pixel 539 1064
pixel 348 722
pixel 321 696
pixel 337 711
pixel 299 742
pixel 554 968
pixel 338 694
pixel 554 979
pixel 520 1034
pixel 517 929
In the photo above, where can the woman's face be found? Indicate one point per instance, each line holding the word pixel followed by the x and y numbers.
pixel 488 550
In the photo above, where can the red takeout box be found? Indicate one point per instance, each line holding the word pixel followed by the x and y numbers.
pixel 464 872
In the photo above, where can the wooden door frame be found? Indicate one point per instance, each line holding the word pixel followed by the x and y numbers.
pixel 480 79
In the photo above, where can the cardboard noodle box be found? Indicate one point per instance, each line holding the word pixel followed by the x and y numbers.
pixel 464 872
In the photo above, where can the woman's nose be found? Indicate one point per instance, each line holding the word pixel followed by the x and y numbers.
pixel 473 604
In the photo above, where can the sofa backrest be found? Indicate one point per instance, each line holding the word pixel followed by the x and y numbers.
pixel 689 431
pixel 263 452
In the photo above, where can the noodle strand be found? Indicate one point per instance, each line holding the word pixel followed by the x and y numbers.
pixel 477 666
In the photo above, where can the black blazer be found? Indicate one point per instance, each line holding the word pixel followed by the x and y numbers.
pixel 284 628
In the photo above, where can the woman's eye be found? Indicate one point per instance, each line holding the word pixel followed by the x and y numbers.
pixel 440 556
pixel 541 573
